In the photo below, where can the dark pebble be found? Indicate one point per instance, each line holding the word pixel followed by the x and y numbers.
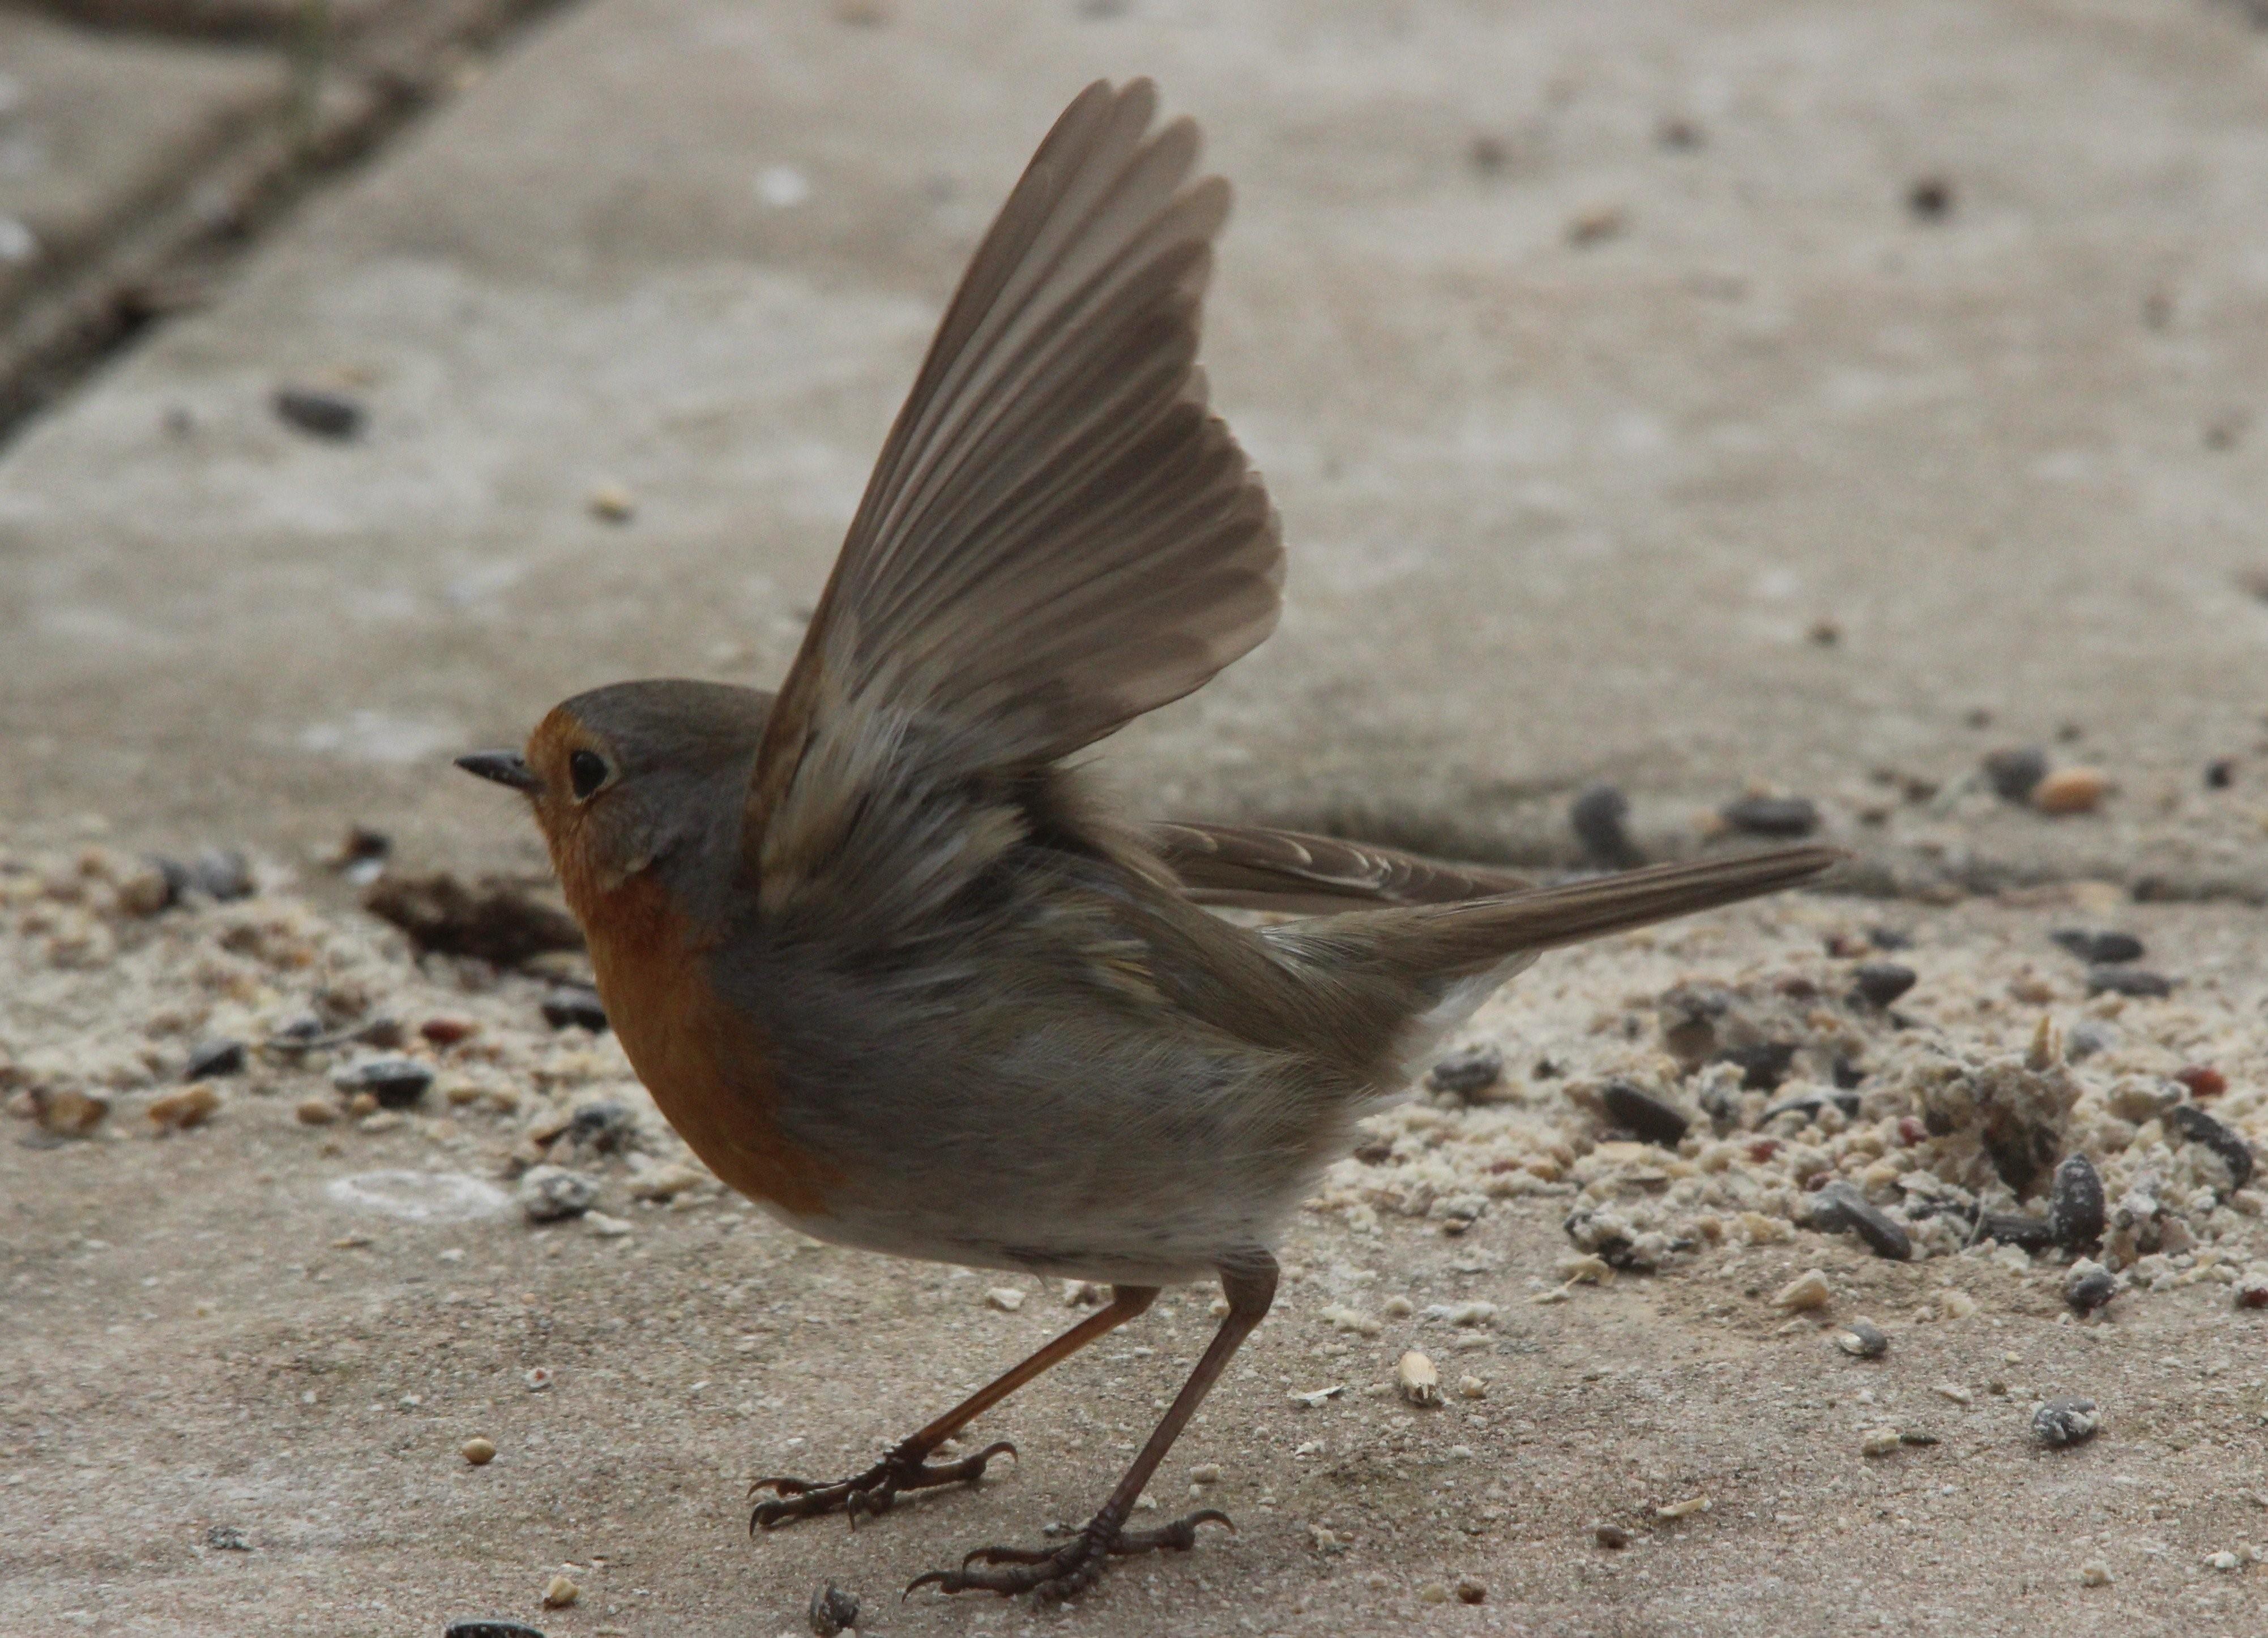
pixel 607 1128
pixel 2075 1204
pixel 228 1538
pixel 1808 1105
pixel 2220 774
pixel 1841 1209
pixel 2099 949
pixel 1879 983
pixel 1640 1110
pixel 1374 1151
pixel 221 873
pixel 2200 1127
pixel 215 1057
pixel 2124 980
pixel 570 1004
pixel 1612 1535
pixel 1764 1066
pixel 325 414
pixel 1888 938
pixel 833 1611
pixel 1771 816
pixel 1849 1076
pixel 2065 1422
pixel 2086 1038
pixel 2014 773
pixel 491 1629
pixel 2089 1291
pixel 1930 199
pixel 2015 1228
pixel 178 880
pixel 1599 815
pixel 396 1083
pixel 1863 1339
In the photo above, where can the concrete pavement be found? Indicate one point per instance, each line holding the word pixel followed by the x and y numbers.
pixel 1820 395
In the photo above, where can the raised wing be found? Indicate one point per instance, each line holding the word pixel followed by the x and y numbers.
pixel 1259 868
pixel 1058 536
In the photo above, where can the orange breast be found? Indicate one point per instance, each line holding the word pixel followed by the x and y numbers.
pixel 708 1069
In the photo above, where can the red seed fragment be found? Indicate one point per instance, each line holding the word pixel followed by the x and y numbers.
pixel 2202 1080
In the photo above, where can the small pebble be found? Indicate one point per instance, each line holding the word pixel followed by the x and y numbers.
pixel 572 1004
pixel 2075 1204
pixel 1469 1588
pixel 2015 773
pixel 2097 948
pixel 2200 1127
pixel 1930 199
pixel 178 1111
pixel 537 1378
pixel 2225 1561
pixel 1006 1298
pixel 1879 1441
pixel 605 1227
pixel 2202 1079
pixel 1953 1392
pixel 833 1611
pixel 490 1629
pixel 1416 1379
pixel 1472 1388
pixel 1865 1340
pixel 560 1592
pixel 1467 1070
pixel 2088 1287
pixel 548 1194
pixel 2125 980
pixel 2251 1289
pixel 316 1112
pixel 2220 774
pixel 1806 1291
pixel 215 1057
pixel 1599 815
pixel 1205 1474
pixel 2065 1422
pixel 1879 983
pixel 67 1111
pixel 1771 816
pixel 479 1452
pixel 447 1031
pixel 1655 1118
pixel 2095 1573
pixel 2070 790
pixel 606 1128
pixel 320 413
pixel 228 1538
pixel 611 502
pixel 222 874
pixel 396 1082
pixel 1613 1537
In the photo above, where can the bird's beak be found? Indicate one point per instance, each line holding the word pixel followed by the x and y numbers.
pixel 506 767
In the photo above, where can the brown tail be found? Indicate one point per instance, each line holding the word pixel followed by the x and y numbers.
pixel 1482 932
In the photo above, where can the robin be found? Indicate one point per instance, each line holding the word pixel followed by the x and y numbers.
pixel 898 974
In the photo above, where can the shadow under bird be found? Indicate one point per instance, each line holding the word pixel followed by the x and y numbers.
pixel 898 974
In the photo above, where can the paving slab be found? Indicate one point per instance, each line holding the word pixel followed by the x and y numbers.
pixel 96 128
pixel 1821 395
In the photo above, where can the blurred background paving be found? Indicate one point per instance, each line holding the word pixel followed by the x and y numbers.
pixel 1723 399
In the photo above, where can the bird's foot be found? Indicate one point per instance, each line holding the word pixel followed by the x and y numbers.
pixel 1064 1572
pixel 906 1467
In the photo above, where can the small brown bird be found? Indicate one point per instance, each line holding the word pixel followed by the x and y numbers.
pixel 892 968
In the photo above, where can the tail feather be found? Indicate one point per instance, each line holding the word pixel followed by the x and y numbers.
pixel 1446 939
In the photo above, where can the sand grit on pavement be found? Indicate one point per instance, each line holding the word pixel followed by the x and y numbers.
pixel 278 1356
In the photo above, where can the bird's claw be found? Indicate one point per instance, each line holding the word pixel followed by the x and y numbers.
pixel 875 1491
pixel 1065 1571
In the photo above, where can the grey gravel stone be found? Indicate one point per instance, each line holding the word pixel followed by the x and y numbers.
pixel 1864 1340
pixel 2075 1202
pixel 2013 772
pixel 569 1005
pixel 2065 1422
pixel 1654 1119
pixel 1467 1070
pixel 1612 1535
pixel 320 413
pixel 1879 983
pixel 1598 816
pixel 2128 980
pixel 227 1538
pixel 214 1057
pixel 396 1083
pixel 1771 816
pixel 2088 1287
pixel 2099 948
pixel 548 1194
pixel 221 873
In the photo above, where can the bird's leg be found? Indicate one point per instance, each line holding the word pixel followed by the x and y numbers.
pixel 1249 1284
pixel 906 1464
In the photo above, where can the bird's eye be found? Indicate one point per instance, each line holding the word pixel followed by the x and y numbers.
pixel 586 771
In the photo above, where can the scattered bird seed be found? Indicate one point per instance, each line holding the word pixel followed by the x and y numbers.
pixel 1467 1070
pixel 2065 1422
pixel 833 1611
pixel 479 1452
pixel 1771 816
pixel 1600 815
pixel 1612 1536
pixel 316 1112
pixel 560 1591
pixel 2075 1204
pixel 1316 1398
pixel 1879 983
pixel 2099 949
pixel 2070 790
pixel 2015 772
pixel 1806 1291
pixel 549 1193
pixel 1655 1118
pixel 1418 1382
pixel 2125 980
pixel 573 1005
pixel 2015 1228
pixel 215 1057
pixel 396 1082
pixel 2088 1287
pixel 320 413
pixel 2199 1127
pixel 227 1538
pixel 2202 1079
pixel 1684 1509
pixel 1865 1340
pixel 178 1111
pixel 1840 1207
